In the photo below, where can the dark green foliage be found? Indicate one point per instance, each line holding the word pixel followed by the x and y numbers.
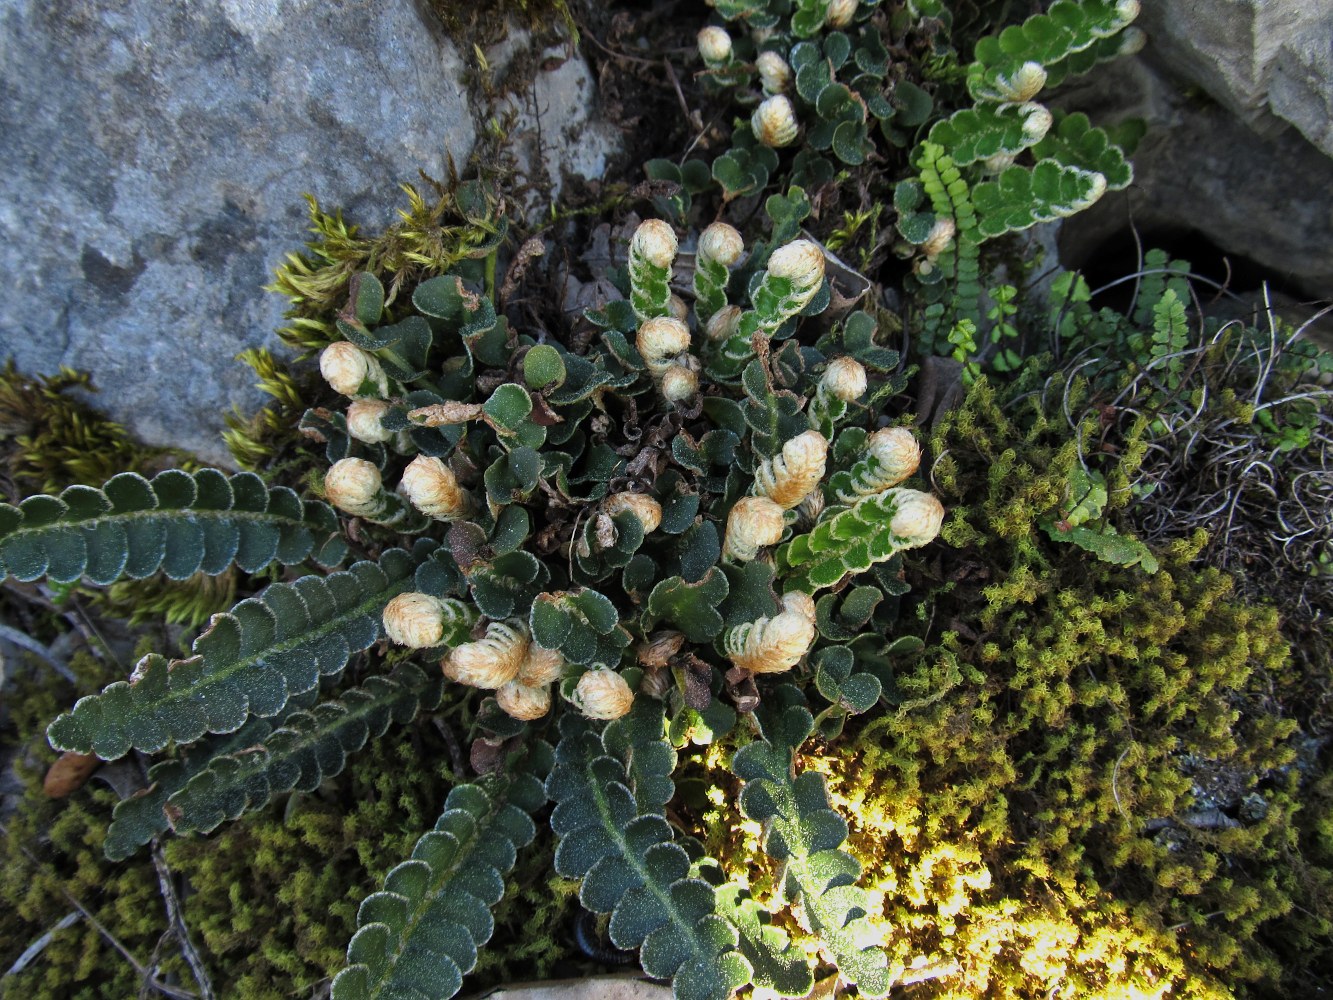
pixel 609 792
pixel 272 901
pixel 420 935
pixel 805 834
pixel 776 963
pixel 584 626
pixel 309 747
pixel 248 662
pixel 141 817
pixel 954 805
pixel 691 607
pixel 177 522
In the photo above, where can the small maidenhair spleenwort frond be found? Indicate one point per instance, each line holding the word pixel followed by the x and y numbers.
pixel 310 747
pixel 179 523
pixel 141 817
pixel 249 662
pixel 615 838
pixel 419 937
pixel 951 198
pixel 1170 335
pixel 805 834
pixel 1159 273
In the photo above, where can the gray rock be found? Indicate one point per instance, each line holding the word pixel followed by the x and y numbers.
pixel 1267 198
pixel 1301 89
pixel 1270 64
pixel 554 130
pixel 155 158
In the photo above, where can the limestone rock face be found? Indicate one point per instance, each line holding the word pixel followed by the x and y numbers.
pixel 1270 64
pixel 155 158
pixel 1255 188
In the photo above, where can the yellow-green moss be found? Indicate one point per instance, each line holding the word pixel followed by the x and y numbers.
pixel 1022 808
pixel 54 848
pixel 1024 811
pixel 49 439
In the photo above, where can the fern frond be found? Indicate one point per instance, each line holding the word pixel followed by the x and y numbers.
pixel 419 936
pixel 1076 142
pixel 1101 51
pixel 1069 27
pixel 1021 198
pixel 310 747
pixel 141 817
pixel 853 539
pixel 779 965
pixel 951 197
pixel 249 662
pixel 804 833
pixel 621 846
pixel 1159 273
pixel 177 522
pixel 974 134
pixel 1170 335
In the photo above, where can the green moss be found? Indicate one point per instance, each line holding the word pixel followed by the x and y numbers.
pixel 1036 808
pixel 52 851
pixel 269 441
pixel 438 230
pixel 49 439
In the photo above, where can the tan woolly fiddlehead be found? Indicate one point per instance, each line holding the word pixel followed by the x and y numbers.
pixel 791 476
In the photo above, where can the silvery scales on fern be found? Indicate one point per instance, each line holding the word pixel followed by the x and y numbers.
pixel 617 597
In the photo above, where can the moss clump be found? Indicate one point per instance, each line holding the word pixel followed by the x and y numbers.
pixel 1086 783
pixel 51 854
pixel 1046 807
pixel 438 229
pixel 49 439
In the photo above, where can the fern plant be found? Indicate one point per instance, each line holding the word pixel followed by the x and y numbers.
pixel 615 544
pixel 970 152
pixel 973 184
